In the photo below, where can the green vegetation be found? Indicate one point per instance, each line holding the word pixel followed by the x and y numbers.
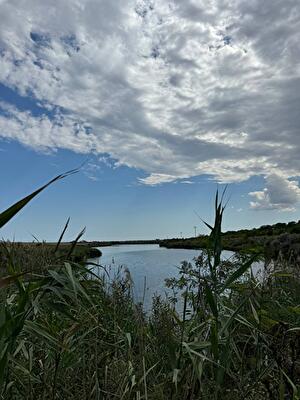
pixel 269 240
pixel 68 334
pixel 36 257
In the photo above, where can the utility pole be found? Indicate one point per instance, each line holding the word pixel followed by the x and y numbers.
pixel 195 228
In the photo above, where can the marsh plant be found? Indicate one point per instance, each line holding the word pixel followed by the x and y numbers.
pixel 66 333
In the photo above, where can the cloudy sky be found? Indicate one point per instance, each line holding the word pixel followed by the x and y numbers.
pixel 162 100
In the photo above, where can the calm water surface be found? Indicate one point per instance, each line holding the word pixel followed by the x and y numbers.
pixel 149 266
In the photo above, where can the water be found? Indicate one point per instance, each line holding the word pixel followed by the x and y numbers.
pixel 149 266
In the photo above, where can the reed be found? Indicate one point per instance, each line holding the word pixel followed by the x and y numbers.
pixel 66 333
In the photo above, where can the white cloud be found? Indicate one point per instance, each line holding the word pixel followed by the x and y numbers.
pixel 175 88
pixel 156 179
pixel 43 133
pixel 279 194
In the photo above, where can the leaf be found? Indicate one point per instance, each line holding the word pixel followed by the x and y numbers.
pixel 38 330
pixel 196 353
pixel 295 309
pixel 224 361
pixel 62 235
pixel 175 376
pixel 233 315
pixel 72 278
pixel 214 340
pixel 199 345
pixel 245 322
pixel 209 226
pixel 282 275
pixel 238 273
pixel 294 329
pixel 147 372
pixel 75 242
pixel 128 337
pixel 255 315
pixel 211 300
pixel 62 309
pixel 217 199
pixel 9 213
pixel 294 388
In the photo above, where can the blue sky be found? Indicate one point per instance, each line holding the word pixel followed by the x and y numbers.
pixel 113 205
pixel 162 101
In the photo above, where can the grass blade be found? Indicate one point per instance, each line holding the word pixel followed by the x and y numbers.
pixel 238 273
pixel 9 213
pixel 62 235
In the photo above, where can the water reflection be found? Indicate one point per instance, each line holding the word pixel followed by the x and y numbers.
pixel 149 266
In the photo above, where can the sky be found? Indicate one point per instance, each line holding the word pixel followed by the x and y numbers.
pixel 161 102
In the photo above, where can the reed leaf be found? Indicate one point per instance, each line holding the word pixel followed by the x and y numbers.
pixel 9 213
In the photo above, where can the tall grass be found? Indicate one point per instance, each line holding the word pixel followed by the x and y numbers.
pixel 68 334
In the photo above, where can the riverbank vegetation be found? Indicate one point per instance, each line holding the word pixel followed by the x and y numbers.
pixel 269 240
pixel 67 333
pixel 35 257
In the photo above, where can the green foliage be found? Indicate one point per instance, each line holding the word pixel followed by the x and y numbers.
pixel 66 333
pixel 268 240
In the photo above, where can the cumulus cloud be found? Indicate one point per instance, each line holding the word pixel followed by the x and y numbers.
pixel 279 194
pixel 177 89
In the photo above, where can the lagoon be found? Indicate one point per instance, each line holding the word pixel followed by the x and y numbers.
pixel 149 266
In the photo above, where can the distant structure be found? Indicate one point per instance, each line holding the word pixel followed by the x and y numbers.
pixel 195 228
